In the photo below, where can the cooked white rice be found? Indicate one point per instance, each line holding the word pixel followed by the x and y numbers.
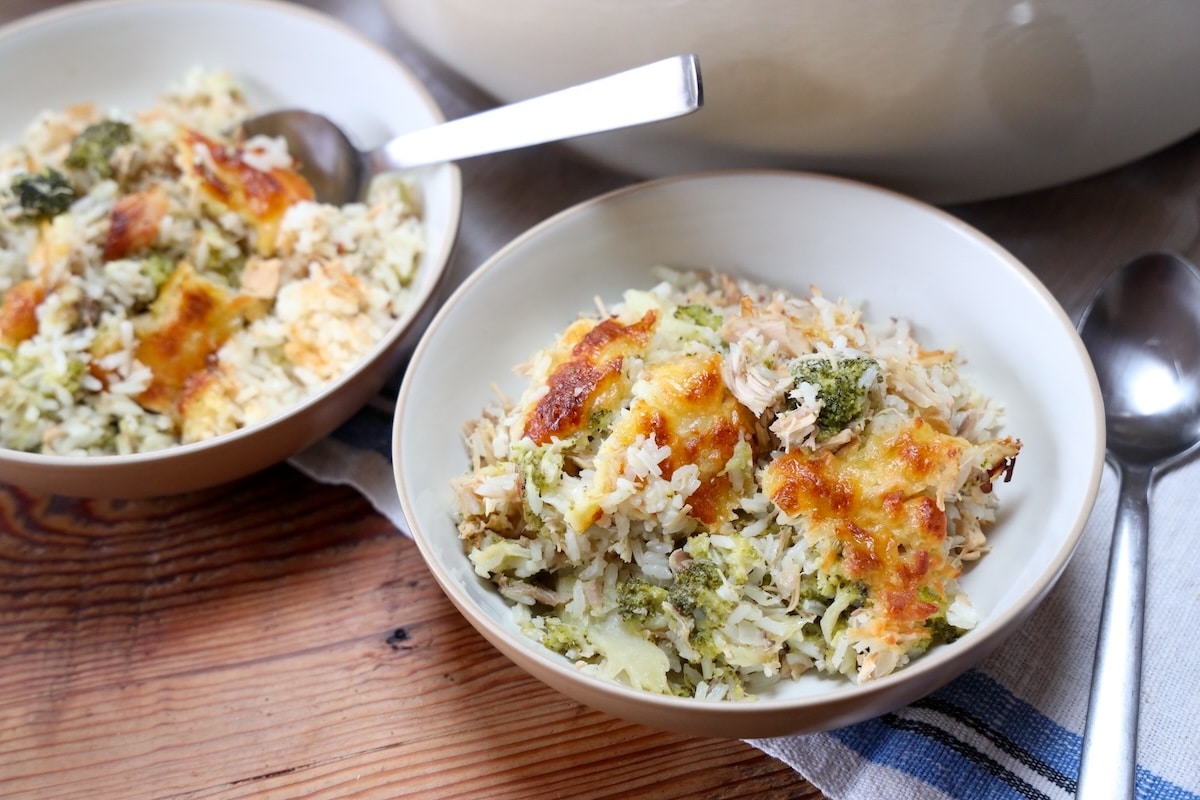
pixel 302 303
pixel 636 535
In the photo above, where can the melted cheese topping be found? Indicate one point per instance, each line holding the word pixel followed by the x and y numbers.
pixel 188 322
pixel 134 223
pixel 586 375
pixel 18 312
pixel 875 512
pixel 225 177
pixel 682 404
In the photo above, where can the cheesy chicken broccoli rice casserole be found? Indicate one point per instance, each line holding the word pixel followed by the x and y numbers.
pixel 165 280
pixel 714 485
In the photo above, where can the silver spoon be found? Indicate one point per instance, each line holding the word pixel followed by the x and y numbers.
pixel 340 173
pixel 1142 330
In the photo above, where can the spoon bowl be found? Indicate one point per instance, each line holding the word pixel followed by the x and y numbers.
pixel 1142 331
pixel 340 173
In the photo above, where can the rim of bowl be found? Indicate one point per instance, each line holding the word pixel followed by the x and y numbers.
pixel 983 639
pixel 438 261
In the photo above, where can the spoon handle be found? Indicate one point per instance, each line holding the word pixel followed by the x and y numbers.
pixel 1108 768
pixel 661 90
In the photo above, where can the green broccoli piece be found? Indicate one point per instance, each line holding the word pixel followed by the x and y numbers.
pixel 92 150
pixel 699 546
pixel 158 268
pixel 694 593
pixel 699 315
pixel 740 559
pixel 44 194
pixel 839 388
pixel 600 421
pixel 542 466
pixel 694 589
pixel 941 631
pixel 562 636
pixel 640 600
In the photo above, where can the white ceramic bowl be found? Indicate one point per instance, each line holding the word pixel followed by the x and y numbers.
pixel 125 53
pixel 790 230
pixel 947 101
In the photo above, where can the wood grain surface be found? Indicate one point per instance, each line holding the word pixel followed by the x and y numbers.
pixel 278 638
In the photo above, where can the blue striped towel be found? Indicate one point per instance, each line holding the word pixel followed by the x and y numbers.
pixel 1010 728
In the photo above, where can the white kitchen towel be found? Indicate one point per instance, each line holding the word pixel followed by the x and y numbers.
pixel 1012 727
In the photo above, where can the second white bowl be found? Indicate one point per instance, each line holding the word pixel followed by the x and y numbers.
pixel 790 230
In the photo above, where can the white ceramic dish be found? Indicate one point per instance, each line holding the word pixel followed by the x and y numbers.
pixel 947 101
pixel 791 230
pixel 125 53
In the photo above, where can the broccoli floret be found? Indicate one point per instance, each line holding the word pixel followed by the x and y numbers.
pixel 158 268
pixel 839 388
pixel 600 421
pixel 44 194
pixel 941 631
pixel 561 636
pixel 699 546
pixel 847 598
pixel 694 593
pixel 741 559
pixel 542 465
pixel 695 589
pixel 93 148
pixel 699 315
pixel 640 600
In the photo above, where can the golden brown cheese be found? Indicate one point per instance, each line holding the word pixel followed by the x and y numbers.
pixel 690 410
pixel 875 509
pixel 206 405
pixel 588 378
pixel 260 197
pixel 687 407
pixel 134 223
pixel 188 322
pixel 18 312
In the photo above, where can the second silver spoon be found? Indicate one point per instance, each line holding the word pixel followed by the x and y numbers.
pixel 340 173
pixel 1142 330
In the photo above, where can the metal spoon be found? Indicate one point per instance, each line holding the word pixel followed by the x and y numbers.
pixel 340 173
pixel 1142 330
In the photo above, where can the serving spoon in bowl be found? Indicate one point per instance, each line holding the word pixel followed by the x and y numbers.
pixel 340 173
pixel 1142 331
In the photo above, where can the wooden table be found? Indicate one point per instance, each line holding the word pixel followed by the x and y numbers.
pixel 278 638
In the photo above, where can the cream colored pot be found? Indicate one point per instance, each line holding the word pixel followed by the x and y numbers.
pixel 946 99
